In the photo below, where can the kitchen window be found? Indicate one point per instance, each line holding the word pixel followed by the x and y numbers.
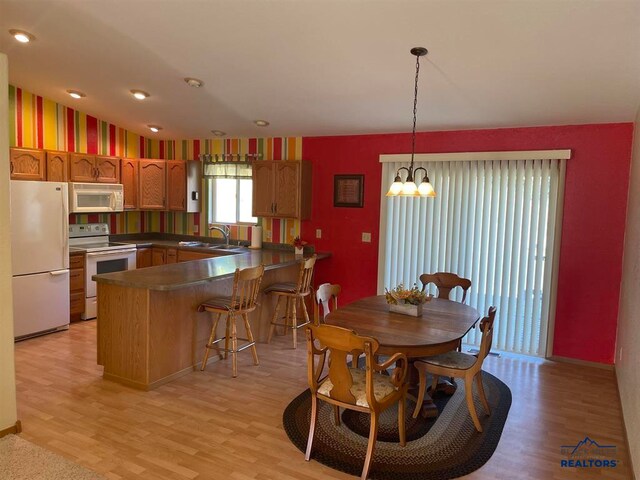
pixel 231 200
pixel 229 192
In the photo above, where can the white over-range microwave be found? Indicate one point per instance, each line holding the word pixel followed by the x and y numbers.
pixel 95 197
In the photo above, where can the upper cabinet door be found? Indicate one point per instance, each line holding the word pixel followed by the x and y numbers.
pixel 176 185
pixel 263 183
pixel 27 164
pixel 129 176
pixel 152 184
pixel 287 189
pixel 82 167
pixel 107 169
pixel 57 166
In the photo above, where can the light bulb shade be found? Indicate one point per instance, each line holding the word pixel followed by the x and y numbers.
pixel 394 189
pixel 409 189
pixel 426 189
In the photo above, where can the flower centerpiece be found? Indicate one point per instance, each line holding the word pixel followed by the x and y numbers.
pixel 407 301
pixel 298 244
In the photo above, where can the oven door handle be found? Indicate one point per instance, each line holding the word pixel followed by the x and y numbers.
pixel 111 252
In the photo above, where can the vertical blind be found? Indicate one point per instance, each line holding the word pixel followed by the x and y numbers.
pixel 493 222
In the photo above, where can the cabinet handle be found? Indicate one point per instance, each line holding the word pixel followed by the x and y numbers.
pixel 11 167
pixel 275 208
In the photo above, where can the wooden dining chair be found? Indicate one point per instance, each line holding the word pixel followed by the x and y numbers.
pixel 368 390
pixel 294 293
pixel 326 294
pixel 246 286
pixel 445 282
pixel 459 365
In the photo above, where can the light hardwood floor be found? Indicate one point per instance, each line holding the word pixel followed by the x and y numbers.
pixel 209 425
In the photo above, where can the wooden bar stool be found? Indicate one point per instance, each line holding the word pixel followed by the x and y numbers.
pixel 293 293
pixel 246 286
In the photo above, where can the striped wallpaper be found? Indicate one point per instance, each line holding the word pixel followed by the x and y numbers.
pixel 36 122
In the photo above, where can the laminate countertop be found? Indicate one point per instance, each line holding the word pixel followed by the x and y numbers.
pixel 187 274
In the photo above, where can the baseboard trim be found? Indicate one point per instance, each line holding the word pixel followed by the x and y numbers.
pixel 15 428
pixel 624 425
pixel 585 363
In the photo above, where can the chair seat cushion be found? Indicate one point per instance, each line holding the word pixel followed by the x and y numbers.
pixel 458 360
pixel 382 387
pixel 221 303
pixel 282 287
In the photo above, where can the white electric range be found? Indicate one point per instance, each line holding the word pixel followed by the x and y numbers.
pixel 101 255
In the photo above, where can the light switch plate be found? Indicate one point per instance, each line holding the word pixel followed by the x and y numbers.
pixel 366 237
pixel 318 233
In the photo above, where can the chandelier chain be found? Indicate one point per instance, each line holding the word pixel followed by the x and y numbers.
pixel 415 109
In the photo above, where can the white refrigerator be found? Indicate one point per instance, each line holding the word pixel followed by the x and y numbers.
pixel 40 256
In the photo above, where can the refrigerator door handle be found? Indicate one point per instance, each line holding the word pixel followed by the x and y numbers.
pixel 64 198
pixel 55 273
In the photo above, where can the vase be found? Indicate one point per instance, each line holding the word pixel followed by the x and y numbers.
pixel 407 309
pixel 299 250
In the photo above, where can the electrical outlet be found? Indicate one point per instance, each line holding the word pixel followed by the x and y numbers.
pixel 366 237
pixel 318 233
pixel 196 228
pixel 268 235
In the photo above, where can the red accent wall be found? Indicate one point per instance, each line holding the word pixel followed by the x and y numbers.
pixel 592 228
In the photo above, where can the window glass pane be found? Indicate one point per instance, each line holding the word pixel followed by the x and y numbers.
pixel 246 196
pixel 225 192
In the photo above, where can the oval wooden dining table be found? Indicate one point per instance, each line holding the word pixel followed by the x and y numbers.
pixel 442 324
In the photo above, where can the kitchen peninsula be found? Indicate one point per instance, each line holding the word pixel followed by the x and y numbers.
pixel 149 329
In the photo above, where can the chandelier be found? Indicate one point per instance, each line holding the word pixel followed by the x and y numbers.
pixel 408 188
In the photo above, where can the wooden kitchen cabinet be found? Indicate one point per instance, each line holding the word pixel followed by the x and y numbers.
pixel 82 167
pixel 172 255
pixel 152 184
pixel 93 169
pixel 76 284
pixel 143 257
pixel 107 169
pixel 158 256
pixel 188 255
pixel 57 166
pixel 282 189
pixel 129 178
pixel 176 185
pixel 27 164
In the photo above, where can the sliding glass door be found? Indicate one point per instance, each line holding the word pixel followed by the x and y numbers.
pixel 493 222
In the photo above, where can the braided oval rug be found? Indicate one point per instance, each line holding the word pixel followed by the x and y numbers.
pixel 445 447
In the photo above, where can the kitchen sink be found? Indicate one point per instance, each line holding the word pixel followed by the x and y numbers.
pixel 226 247
pixel 193 244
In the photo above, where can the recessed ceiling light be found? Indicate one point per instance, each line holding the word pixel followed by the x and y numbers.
pixel 261 123
pixel 194 82
pixel 218 133
pixel 22 36
pixel 154 128
pixel 139 94
pixel 76 93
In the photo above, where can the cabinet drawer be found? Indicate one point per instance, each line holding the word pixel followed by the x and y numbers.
pixel 76 303
pixel 76 280
pixel 76 261
pixel 172 255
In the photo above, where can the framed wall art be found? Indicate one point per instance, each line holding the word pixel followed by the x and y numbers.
pixel 348 191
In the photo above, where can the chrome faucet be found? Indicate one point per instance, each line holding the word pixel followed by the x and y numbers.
pixel 225 230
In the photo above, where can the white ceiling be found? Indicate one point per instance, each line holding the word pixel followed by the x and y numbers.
pixel 326 67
